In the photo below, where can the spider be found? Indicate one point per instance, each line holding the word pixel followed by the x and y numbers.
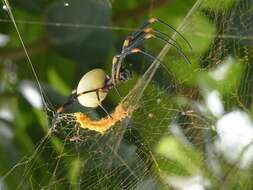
pixel 94 86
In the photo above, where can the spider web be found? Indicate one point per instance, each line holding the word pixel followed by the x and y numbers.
pixel 172 137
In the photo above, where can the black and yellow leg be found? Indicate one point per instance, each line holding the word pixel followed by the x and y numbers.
pixel 69 101
pixel 150 34
pixel 146 29
pixel 72 98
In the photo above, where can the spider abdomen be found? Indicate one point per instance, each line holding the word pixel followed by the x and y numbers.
pixel 93 80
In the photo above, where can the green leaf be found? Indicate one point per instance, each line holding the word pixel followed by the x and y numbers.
pixel 172 149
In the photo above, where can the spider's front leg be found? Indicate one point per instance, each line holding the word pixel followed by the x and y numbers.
pixel 147 30
pixel 69 101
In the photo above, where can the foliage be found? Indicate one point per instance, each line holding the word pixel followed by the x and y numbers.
pixel 176 139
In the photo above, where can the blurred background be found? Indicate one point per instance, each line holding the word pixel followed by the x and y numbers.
pixel 193 128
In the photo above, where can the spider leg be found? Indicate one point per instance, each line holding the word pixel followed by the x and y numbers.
pixel 129 52
pixel 151 33
pixel 69 101
pixel 174 46
pixel 146 31
pixel 118 59
pixel 72 98
pixel 152 20
pixel 135 34
pixel 100 104
pixel 140 35
pixel 116 65
pixel 137 50
pixel 164 35
pixel 132 49
pixel 145 26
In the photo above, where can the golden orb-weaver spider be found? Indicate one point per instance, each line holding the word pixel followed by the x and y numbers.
pixel 94 86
